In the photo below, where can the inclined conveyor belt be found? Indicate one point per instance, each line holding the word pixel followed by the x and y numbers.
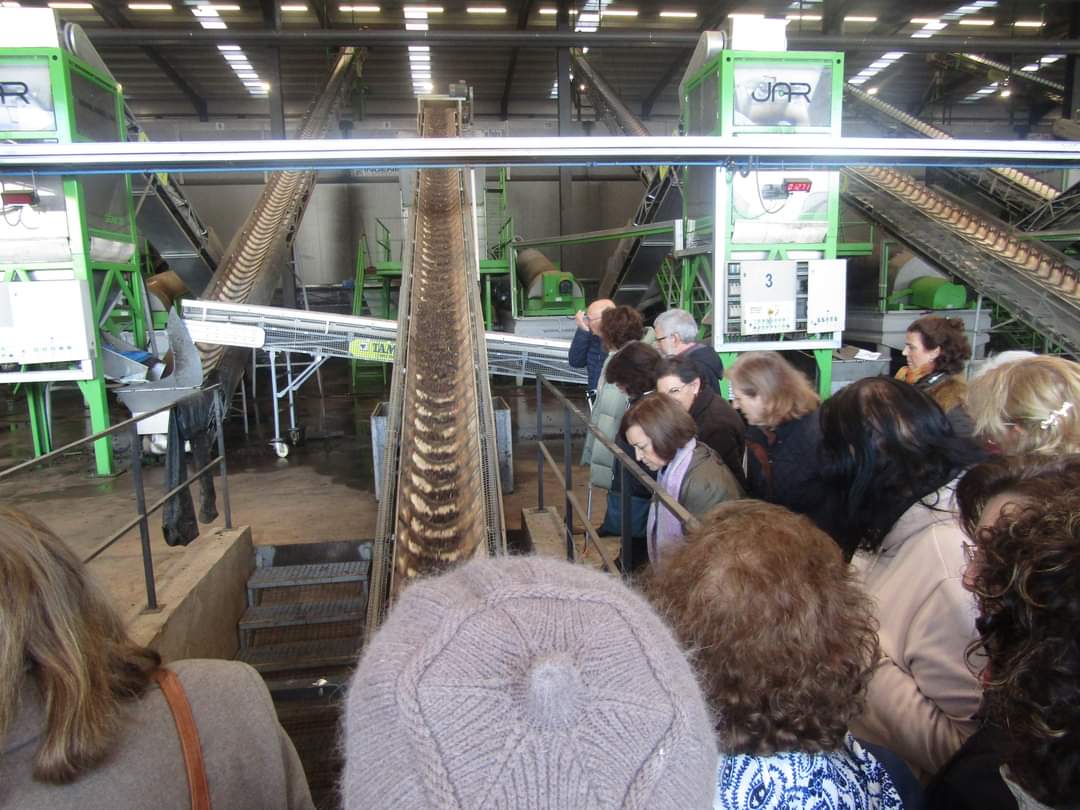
pixel 251 268
pixel 441 497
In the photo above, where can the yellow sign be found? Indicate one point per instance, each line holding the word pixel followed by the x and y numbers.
pixel 381 351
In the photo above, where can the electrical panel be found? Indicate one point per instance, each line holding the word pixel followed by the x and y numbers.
pixel 46 323
pixel 826 289
pixel 768 297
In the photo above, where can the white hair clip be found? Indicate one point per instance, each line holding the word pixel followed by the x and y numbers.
pixel 1054 416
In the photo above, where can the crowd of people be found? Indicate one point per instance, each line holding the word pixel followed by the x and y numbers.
pixel 876 609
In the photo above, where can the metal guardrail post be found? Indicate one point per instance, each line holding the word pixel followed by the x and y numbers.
pixel 568 471
pixel 626 550
pixel 220 397
pixel 144 525
pixel 539 442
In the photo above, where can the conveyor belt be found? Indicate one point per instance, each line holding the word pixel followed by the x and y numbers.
pixel 1028 281
pixel 442 502
pixel 251 268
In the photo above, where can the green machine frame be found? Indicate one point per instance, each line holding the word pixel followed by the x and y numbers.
pixel 722 245
pixel 86 107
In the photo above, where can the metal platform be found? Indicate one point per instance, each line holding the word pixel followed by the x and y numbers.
pixel 318 654
pixel 324 335
pixel 267 617
pixel 298 576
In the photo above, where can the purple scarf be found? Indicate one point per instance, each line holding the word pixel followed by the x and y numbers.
pixel 665 530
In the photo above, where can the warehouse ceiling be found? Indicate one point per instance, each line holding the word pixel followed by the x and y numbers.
pixel 157 72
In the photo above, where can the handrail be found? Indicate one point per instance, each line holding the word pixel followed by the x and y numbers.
pixel 628 466
pixel 143 512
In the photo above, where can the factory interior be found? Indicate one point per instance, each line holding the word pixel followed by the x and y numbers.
pixel 323 264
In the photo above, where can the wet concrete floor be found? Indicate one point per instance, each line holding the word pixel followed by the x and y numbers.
pixel 323 491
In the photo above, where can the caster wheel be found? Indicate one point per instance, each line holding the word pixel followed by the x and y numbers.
pixel 281 448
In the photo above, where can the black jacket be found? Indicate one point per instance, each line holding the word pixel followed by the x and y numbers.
pixel 721 428
pixel 786 469
pixel 709 365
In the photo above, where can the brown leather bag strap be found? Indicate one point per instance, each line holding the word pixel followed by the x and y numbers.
pixel 189 737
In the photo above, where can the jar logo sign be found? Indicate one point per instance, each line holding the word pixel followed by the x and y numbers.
pixel 770 91
pixel 12 91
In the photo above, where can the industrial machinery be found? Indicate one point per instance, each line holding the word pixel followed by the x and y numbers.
pixel 543 289
pixel 441 496
pixel 71 286
pixel 756 254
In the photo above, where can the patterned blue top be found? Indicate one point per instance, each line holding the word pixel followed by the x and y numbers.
pixel 848 779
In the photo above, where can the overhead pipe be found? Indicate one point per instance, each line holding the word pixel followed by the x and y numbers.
pixel 568 39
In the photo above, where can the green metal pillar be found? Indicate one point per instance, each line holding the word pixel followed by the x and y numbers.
pixel 824 364
pixel 39 421
pixel 97 400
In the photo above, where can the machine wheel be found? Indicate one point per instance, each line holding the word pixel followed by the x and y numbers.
pixel 281 448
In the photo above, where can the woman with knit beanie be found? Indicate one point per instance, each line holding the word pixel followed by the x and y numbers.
pixel 784 641
pixel 525 683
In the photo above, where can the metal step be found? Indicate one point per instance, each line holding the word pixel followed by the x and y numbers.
pixel 291 576
pixel 332 652
pixel 266 617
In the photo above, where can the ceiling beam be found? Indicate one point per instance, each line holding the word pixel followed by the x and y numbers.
pixel 522 24
pixel 322 13
pixel 118 21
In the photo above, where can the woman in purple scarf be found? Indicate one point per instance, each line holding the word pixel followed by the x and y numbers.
pixel 662 435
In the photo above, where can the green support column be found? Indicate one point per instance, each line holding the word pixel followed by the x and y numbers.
pixel 727 358
pixel 97 400
pixel 824 364
pixel 39 422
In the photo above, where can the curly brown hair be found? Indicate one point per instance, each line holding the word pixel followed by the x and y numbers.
pixel 783 636
pixel 633 368
pixel 1026 581
pixel 948 335
pixel 620 325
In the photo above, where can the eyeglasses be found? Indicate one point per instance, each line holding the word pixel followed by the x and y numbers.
pixel 970 550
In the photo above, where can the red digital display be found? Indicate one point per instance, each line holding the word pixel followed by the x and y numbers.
pixel 797 185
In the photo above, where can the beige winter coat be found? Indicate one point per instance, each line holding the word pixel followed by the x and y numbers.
pixel 922 697
pixel 250 762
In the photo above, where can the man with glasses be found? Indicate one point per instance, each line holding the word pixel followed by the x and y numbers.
pixel 586 349
pixel 676 335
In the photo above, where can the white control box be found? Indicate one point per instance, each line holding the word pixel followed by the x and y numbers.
pixel 44 322
pixel 769 291
pixel 826 291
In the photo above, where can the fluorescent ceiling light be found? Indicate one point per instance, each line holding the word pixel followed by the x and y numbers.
pixel 246 74
pixel 980 21
pixel 892 56
pixel 618 12
pixel 1028 24
pixel 805 17
pixel 205 11
pixel 360 9
pixel 150 6
pixel 486 10
pixel 234 56
pixel 419 48
pixel 871 91
pixel 685 14
pixel 412 14
pixel 224 48
pixel 859 19
pixel 924 20
pixel 71 6
pixel 425 9
pixel 420 58
pixel 10 4
pixel 294 7
pixel 239 67
pixel 219 7
pixel 416 26
pixel 216 24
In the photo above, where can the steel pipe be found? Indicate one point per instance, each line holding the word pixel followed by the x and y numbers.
pixel 567 39
pixel 760 152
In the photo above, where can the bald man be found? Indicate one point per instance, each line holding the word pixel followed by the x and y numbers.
pixel 586 349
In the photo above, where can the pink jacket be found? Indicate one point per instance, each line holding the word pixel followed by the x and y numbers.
pixel 923 697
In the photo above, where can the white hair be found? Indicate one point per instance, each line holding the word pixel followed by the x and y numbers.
pixel 677 322
pixel 999 359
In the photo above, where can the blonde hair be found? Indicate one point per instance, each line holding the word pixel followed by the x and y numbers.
pixel 785 391
pixel 1029 406
pixel 57 628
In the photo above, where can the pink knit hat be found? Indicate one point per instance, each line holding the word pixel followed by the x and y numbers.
pixel 525 683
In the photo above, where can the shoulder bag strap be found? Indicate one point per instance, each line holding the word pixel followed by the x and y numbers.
pixel 189 737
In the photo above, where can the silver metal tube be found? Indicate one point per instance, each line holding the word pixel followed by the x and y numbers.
pixel 761 152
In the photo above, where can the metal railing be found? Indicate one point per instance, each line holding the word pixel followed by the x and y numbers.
pixel 141 518
pixel 572 506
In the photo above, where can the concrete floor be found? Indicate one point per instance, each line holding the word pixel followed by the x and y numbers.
pixel 322 491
